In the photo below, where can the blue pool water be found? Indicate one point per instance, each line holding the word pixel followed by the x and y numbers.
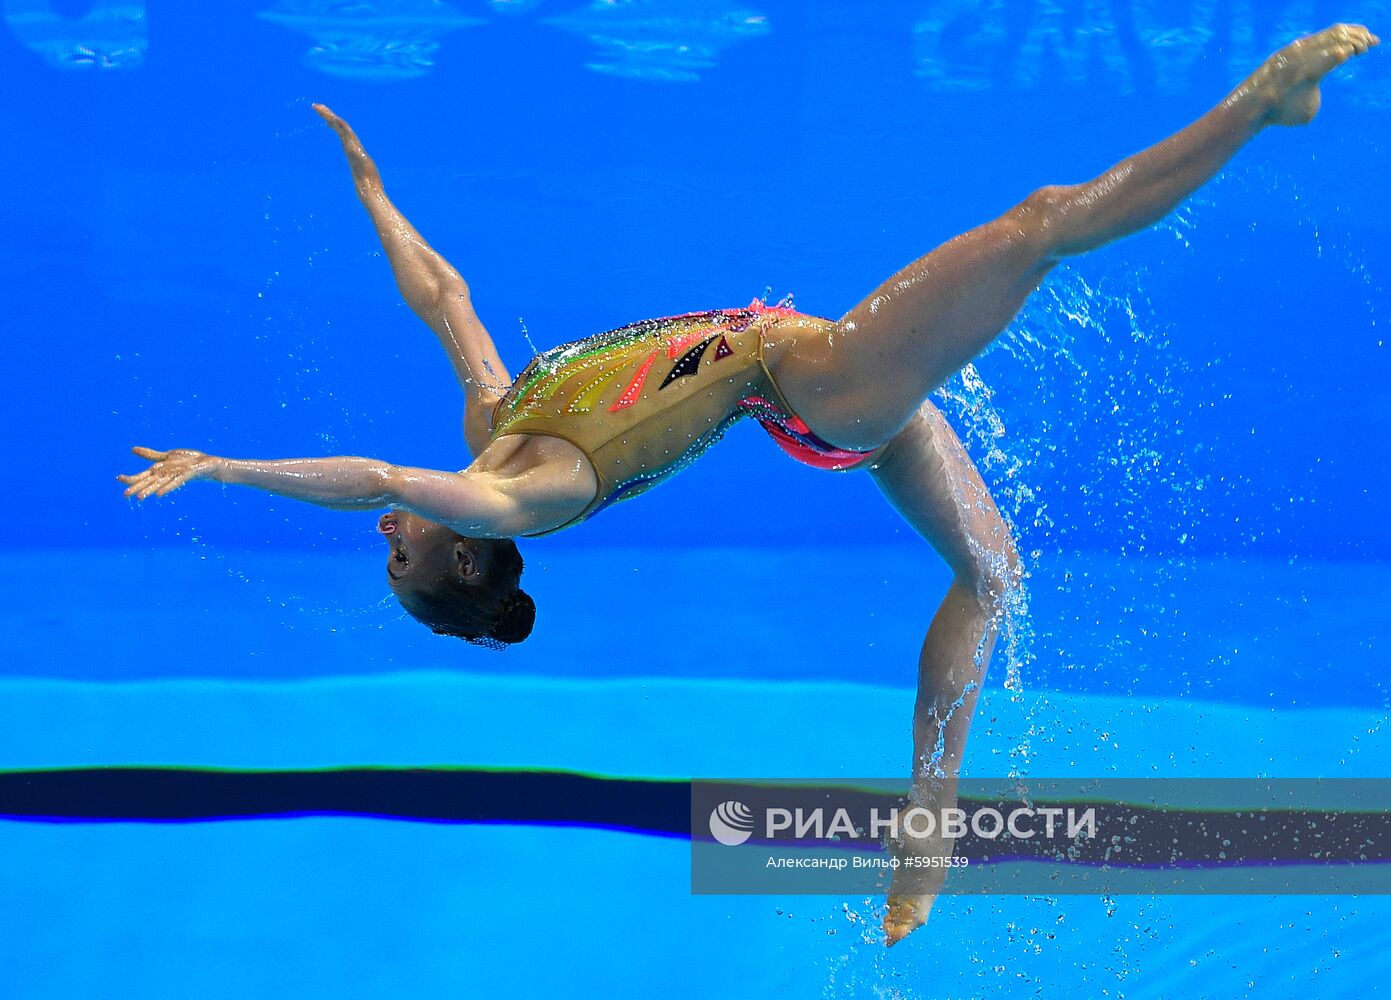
pixel 1186 429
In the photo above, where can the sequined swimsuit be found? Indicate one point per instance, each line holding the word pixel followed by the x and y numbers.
pixel 646 400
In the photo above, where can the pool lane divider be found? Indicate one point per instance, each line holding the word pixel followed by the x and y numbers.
pixel 651 806
pixel 431 795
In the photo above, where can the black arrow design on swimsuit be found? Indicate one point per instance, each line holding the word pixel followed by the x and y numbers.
pixel 688 365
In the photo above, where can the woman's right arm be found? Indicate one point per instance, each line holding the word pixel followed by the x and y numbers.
pixel 471 503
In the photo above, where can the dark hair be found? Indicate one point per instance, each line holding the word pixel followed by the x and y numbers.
pixel 491 610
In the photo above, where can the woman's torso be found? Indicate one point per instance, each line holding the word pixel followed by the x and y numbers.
pixel 641 402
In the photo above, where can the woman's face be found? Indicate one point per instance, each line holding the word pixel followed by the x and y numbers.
pixel 422 551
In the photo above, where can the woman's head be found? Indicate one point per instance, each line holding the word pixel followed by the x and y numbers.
pixel 464 587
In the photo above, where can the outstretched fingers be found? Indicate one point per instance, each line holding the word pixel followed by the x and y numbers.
pixel 153 481
pixel 169 470
pixel 145 484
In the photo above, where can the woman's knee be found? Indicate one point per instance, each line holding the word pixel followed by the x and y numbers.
pixel 1041 216
pixel 993 569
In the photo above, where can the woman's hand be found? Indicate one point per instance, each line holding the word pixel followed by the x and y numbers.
pixel 169 471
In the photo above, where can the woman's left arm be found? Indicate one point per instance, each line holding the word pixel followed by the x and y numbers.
pixel 474 504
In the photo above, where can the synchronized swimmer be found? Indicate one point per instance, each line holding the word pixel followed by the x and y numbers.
pixel 604 419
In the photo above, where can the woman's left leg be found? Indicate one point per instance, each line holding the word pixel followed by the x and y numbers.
pixel 858 384
pixel 434 291
pixel 928 477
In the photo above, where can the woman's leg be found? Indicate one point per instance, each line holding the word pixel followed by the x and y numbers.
pixel 433 289
pixel 856 387
pixel 928 477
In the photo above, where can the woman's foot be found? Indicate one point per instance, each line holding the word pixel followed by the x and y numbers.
pixel 921 872
pixel 905 915
pixel 1289 80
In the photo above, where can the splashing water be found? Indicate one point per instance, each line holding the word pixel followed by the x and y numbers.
pixel 526 335
pixel 1082 355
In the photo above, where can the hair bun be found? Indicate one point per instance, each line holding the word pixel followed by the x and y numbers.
pixel 517 618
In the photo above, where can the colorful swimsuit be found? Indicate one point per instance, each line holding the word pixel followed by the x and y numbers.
pixel 646 400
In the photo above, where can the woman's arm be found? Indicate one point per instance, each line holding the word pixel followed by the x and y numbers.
pixel 433 289
pixel 475 504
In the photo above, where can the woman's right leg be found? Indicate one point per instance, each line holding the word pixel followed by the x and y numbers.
pixel 927 476
pixel 858 386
